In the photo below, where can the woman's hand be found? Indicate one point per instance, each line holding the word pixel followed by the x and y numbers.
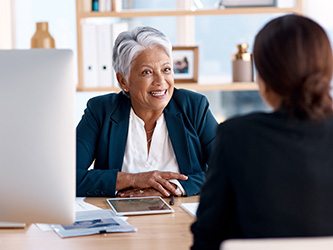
pixel 139 193
pixel 159 181
pixel 153 179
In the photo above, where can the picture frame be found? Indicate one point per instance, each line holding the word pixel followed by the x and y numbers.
pixel 185 63
pixel 247 3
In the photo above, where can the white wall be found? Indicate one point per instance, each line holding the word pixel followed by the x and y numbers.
pixel 7 30
pixel 60 14
pixel 321 11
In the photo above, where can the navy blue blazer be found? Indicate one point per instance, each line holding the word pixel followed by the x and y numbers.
pixel 102 135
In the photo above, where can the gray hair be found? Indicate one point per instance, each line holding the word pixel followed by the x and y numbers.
pixel 130 43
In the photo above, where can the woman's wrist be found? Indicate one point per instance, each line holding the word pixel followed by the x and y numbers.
pixel 124 180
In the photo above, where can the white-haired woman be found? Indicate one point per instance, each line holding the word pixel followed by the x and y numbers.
pixel 149 139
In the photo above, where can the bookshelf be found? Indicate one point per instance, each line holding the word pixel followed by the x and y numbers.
pixel 200 86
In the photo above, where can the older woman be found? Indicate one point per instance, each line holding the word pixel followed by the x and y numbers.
pixel 271 173
pixel 149 139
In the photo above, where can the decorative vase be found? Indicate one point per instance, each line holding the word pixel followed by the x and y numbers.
pixel 242 66
pixel 42 38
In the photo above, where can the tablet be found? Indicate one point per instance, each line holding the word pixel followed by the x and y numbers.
pixel 139 205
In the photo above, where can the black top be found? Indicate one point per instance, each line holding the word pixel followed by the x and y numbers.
pixel 270 176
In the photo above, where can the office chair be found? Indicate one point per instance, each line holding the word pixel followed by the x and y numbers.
pixel 306 243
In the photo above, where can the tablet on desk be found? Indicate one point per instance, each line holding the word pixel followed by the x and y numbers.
pixel 139 205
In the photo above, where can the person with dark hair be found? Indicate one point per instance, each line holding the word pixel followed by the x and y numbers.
pixel 150 139
pixel 271 174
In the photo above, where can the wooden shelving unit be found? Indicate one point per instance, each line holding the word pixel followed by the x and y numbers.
pixel 80 16
pixel 205 12
pixel 236 86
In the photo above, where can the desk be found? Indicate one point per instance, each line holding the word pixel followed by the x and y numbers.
pixel 160 231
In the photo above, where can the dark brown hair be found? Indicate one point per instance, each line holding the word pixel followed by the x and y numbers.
pixel 293 56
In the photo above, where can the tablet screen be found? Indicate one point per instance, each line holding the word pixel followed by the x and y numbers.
pixel 139 205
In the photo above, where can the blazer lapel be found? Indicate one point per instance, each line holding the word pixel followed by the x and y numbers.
pixel 177 132
pixel 119 121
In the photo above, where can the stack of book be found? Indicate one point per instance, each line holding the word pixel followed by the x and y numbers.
pixel 101 5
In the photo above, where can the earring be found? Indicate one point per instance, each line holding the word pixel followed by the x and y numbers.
pixel 125 90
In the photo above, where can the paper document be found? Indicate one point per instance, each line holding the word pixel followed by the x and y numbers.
pixel 94 222
pixel 191 208
pixel 80 205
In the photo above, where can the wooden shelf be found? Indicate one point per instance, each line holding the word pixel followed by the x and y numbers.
pixel 203 12
pixel 237 86
pixel 81 16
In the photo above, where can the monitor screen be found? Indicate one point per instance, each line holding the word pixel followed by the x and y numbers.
pixel 37 136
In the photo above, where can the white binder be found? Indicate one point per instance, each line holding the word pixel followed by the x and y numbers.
pixel 104 5
pixel 89 55
pixel 117 28
pixel 104 56
pixel 101 6
pixel 108 5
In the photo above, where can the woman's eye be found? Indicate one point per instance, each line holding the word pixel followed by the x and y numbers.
pixel 146 72
pixel 167 70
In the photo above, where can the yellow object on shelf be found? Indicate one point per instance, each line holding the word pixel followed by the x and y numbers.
pixel 42 38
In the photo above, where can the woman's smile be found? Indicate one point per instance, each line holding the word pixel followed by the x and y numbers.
pixel 158 93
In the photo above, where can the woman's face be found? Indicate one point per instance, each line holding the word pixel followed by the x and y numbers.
pixel 151 83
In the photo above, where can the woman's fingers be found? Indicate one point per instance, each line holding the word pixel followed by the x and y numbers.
pixel 172 175
pixel 139 193
pixel 158 180
pixel 161 189
pixel 169 187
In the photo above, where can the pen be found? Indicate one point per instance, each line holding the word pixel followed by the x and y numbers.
pixel 172 201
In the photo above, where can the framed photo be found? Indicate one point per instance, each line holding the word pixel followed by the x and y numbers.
pixel 185 64
pixel 248 3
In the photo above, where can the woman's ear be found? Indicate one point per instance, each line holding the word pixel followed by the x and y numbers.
pixel 122 81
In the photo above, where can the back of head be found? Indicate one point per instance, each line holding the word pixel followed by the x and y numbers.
pixel 293 56
pixel 130 43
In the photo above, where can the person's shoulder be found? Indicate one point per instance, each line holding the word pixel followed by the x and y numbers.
pixel 106 103
pixel 185 94
pixel 189 102
pixel 188 99
pixel 101 99
pixel 105 100
pixel 330 120
pixel 246 122
pixel 328 124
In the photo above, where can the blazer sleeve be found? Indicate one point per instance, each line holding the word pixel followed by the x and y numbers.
pixel 99 181
pixel 201 120
pixel 206 128
pixel 215 214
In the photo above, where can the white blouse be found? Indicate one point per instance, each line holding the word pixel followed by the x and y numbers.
pixel 161 155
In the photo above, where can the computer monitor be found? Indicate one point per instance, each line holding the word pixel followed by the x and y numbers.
pixel 37 136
